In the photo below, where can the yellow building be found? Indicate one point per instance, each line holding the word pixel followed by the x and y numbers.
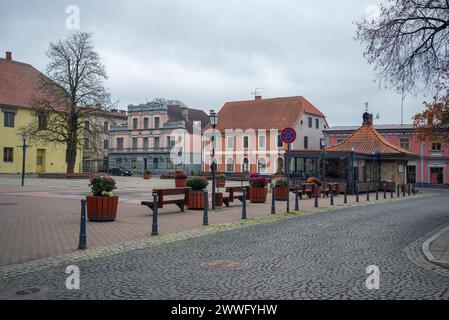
pixel 19 83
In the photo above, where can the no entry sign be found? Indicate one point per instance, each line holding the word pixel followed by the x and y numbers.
pixel 288 135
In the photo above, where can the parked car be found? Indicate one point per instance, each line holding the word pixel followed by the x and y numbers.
pixel 120 172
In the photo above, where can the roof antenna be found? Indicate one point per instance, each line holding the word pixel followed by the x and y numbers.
pixel 366 107
pixel 257 92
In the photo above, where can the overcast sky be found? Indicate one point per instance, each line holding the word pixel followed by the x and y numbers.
pixel 207 52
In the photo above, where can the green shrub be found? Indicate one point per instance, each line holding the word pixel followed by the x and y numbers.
pixel 102 186
pixel 197 183
pixel 221 176
pixel 280 182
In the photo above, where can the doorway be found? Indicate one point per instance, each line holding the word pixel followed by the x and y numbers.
pixel 436 175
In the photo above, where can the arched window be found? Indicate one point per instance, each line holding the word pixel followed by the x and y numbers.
pixel 245 165
pixel 262 165
pixel 280 165
pixel 230 165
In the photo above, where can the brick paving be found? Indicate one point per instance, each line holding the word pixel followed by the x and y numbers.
pixel 42 219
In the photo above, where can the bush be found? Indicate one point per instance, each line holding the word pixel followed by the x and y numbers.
pixel 254 175
pixel 258 182
pixel 192 173
pixel 221 176
pixel 102 186
pixel 280 182
pixel 180 175
pixel 197 183
pixel 315 181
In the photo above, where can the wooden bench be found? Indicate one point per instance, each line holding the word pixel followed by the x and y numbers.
pixel 161 193
pixel 232 196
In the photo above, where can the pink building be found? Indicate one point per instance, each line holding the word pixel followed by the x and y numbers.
pixel 432 166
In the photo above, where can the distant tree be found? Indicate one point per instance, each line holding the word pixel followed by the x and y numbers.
pixel 71 96
pixel 408 43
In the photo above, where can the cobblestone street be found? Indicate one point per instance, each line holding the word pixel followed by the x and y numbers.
pixel 320 256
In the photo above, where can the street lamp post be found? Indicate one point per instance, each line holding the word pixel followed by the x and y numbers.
pixel 323 148
pixel 213 117
pixel 24 137
pixel 352 169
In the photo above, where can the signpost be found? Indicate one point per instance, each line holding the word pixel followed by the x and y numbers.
pixel 288 136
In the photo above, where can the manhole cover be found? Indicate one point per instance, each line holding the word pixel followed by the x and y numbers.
pixel 32 293
pixel 224 264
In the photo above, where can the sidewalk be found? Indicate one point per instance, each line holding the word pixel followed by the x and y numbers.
pixel 436 248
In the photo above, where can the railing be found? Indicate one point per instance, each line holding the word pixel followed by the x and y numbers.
pixel 139 150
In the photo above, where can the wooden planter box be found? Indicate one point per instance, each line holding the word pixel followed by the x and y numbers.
pixel 258 195
pixel 146 176
pixel 180 183
pixel 218 199
pixel 196 200
pixel 221 183
pixel 101 208
pixel 307 189
pixel 280 193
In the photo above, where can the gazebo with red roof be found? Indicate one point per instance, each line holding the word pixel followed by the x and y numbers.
pixel 364 159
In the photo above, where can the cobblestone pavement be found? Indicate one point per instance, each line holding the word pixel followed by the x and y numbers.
pixel 310 257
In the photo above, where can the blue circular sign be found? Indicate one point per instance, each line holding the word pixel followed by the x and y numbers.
pixel 288 135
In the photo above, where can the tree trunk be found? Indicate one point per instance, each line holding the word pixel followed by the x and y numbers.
pixel 71 157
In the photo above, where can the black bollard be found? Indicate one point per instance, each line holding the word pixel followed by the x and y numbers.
pixel 385 193
pixel 367 195
pixel 409 189
pixel 403 190
pixel 357 194
pixel 288 199
pixel 414 190
pixel 83 237
pixel 377 194
pixel 398 194
pixel 206 209
pixel 154 231
pixel 244 204
pixel 296 200
pixel 332 197
pixel 315 191
pixel 391 193
pixel 273 201
pixel 345 200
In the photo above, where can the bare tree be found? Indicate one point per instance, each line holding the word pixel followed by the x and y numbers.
pixel 409 43
pixel 71 96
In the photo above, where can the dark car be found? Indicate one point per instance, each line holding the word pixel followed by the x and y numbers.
pixel 120 172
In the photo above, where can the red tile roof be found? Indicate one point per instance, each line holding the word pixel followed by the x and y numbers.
pixel 276 113
pixel 367 140
pixel 19 82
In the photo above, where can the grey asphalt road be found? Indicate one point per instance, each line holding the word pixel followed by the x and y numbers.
pixel 321 256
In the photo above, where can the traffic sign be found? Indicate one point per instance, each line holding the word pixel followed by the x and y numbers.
pixel 288 135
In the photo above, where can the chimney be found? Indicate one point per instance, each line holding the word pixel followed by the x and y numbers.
pixel 257 98
pixel 8 55
pixel 185 113
pixel 367 119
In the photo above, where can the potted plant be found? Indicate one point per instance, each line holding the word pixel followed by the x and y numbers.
pixel 180 179
pixel 318 184
pixel 102 205
pixel 147 175
pixel 221 180
pixel 258 189
pixel 196 195
pixel 280 189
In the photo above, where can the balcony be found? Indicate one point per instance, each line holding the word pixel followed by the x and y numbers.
pixel 138 150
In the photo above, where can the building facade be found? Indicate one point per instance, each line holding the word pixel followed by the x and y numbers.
pixel 160 136
pixel 95 149
pixel 429 169
pixel 19 84
pixel 248 133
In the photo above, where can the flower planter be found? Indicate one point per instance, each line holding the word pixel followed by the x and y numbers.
pixel 258 195
pixel 101 209
pixel 218 199
pixel 180 183
pixel 280 193
pixel 196 200
pixel 146 176
pixel 220 183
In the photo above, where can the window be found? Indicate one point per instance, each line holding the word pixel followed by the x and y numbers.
pixel 230 142
pixel 262 165
pixel 106 144
pixel 157 123
pixel 262 142
pixel 119 143
pixel 105 126
pixel 9 119
pixel 156 163
pixel 145 143
pixel 306 143
pixel 280 143
pixel 156 143
pixel 135 124
pixel 133 163
pixel 86 144
pixel 245 165
pixel 310 122
pixel 245 142
pixel 435 146
pixel 230 165
pixel 145 123
pixel 404 143
pixel 317 123
pixel 119 162
pixel 134 143
pixel 42 121
pixel 8 154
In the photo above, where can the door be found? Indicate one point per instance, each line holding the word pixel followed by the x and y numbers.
pixel 40 160
pixel 436 175
pixel 145 164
